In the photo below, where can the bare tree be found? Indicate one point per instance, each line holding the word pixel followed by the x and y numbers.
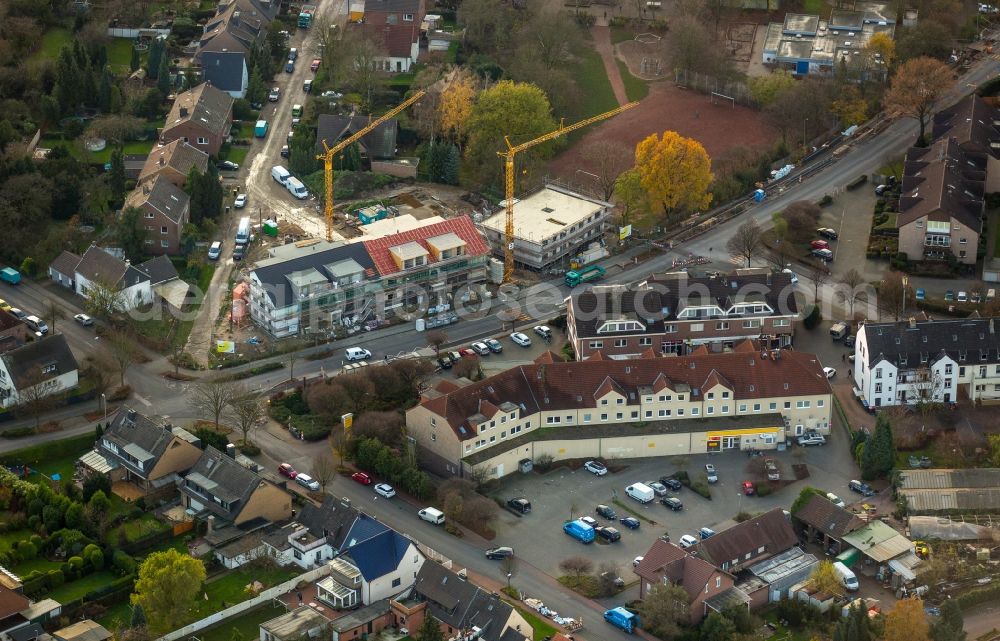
pixel 608 579
pixel 747 241
pixel 508 568
pixel 850 293
pixel 365 74
pixel 436 339
pixel 292 357
pixel 53 313
pixel 103 299
pixel 818 273
pixel 612 160
pixel 324 470
pixel 124 352
pixel 246 410
pixel 100 371
pixel 212 397
pixel 453 506
pixel 468 368
pixel 779 257
pixel 577 566
pixel 36 394
pixel 892 293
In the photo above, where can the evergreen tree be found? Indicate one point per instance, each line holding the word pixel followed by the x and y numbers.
pixel 153 61
pixel 883 451
pixel 193 187
pixel 79 55
pixel 430 630
pixel 256 89
pixel 950 625
pixel 136 60
pixel 67 89
pixel 88 87
pixel 99 57
pixel 104 91
pixel 138 617
pixel 452 163
pixel 213 192
pixel 117 178
pixel 302 156
pixel 117 102
pixel 436 154
pixel 163 77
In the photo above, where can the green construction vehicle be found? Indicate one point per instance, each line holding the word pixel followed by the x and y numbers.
pixel 577 276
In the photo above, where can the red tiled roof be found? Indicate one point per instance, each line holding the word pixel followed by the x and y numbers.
pixel 396 40
pixel 378 248
pixel 667 560
pixel 11 602
pixel 574 384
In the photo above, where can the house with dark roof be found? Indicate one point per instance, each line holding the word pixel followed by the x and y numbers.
pixel 226 71
pixel 224 492
pixel 749 542
pixel 748 398
pixel 43 367
pixel 166 209
pixel 174 161
pixel 941 361
pixel 395 26
pixel 463 608
pixel 941 202
pixel 378 144
pixel 823 522
pixel 13 332
pixel 146 458
pixel 974 124
pixel 317 285
pixel 388 563
pixel 669 564
pixel 201 117
pixel 678 313
pixel 98 267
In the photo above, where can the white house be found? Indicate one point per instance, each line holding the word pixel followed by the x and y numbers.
pixel 388 563
pixel 98 266
pixel 927 361
pixel 46 364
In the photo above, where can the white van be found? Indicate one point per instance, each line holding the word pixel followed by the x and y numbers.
pixel 848 578
pixel 357 354
pixel 296 188
pixel 280 174
pixel 432 515
pixel 641 492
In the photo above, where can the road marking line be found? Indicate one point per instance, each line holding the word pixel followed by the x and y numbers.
pixel 143 401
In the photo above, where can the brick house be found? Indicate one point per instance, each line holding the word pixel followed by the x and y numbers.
pixel 749 542
pixel 395 26
pixel 667 563
pixel 675 315
pixel 165 208
pixel 202 117
pixel 826 523
pixel 174 162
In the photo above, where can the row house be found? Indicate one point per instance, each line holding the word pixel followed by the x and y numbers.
pixel 135 285
pixel 174 161
pixel 318 286
pixel 914 361
pixel 677 314
pixel 705 402
pixel 669 564
pixel 202 117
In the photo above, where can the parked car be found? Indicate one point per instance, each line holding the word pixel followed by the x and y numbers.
pixel 687 541
pixel 239 252
pixel 285 469
pixel 285 152
pixel 949 295
pixel 606 512
pixel 963 297
pixel 357 354
pixel 454 356
pixel 826 232
pixel 637 560
pixel 331 94
pixel 83 319
pixel 671 483
pixel 35 323
pixel 630 522
pixel 362 478
pixel 975 297
pixel 823 254
pixel 314 65
pixel 791 275
pixel 881 189
pixel 921 295
pixel 861 488
pixel 830 372
pixel 589 520
pixel 240 202
pixel 18 314
pixel 659 488
pixel 609 534
pixel 748 488
pixel 481 348
pixel 710 473
pixel 772 470
pixel 811 438
pixel 520 504
pixel 290 66
pixel 293 54
pixel 444 362
pixel 706 532
pixel 595 467
pixel 673 503
pixel 229 165
pixel 836 500
pixel 850 340
pixel 819 244
pixel 521 339
pixel 307 482
pixel 468 352
pixel 495 346
pixel 497 554
pixel 275 94
pixel 385 490
pixel 543 331
pixel 215 250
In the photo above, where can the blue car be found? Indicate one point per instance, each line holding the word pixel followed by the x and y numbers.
pixel 630 522
pixel 921 295
pixel 290 67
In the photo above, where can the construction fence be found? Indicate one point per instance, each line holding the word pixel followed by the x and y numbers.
pixel 712 86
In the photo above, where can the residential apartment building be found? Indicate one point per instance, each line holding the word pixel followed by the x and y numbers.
pixel 550 226
pixel 667 563
pixel 219 489
pixel 941 202
pixel 679 313
pixel 974 125
pixel 145 458
pixel 313 287
pixel 43 367
pixel 704 402
pixel 174 161
pixel 201 117
pixel 395 25
pixel 939 361
pixel 166 209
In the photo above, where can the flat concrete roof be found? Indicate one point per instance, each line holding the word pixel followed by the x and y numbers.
pixel 842 19
pixel 545 214
pixel 801 23
pixel 395 225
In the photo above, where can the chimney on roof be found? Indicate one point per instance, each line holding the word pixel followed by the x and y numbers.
pixel 161 160
pixel 913 322
pixel 230 450
pixel 184 112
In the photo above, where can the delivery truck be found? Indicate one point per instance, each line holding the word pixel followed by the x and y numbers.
pixel 579 530
pixel 10 275
pixel 622 619
pixel 260 130
pixel 576 277
pixel 296 188
pixel 306 14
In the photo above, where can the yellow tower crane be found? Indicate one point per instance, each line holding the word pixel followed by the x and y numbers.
pixel 508 156
pixel 331 152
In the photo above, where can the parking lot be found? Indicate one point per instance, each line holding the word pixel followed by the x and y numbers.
pixel 561 493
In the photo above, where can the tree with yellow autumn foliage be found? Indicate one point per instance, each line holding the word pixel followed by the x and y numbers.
pixel 907 621
pixel 916 87
pixel 674 171
pixel 882 47
pixel 456 105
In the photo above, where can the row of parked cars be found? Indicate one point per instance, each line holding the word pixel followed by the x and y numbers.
pixel 490 346
pixel 36 324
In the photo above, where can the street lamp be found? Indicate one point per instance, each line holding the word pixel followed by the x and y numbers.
pixel 906 283
pixel 104 401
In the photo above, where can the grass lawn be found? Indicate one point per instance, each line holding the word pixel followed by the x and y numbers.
pixel 635 88
pixel 52 43
pixel 237 154
pixel 116 616
pixel 9 539
pixel 120 55
pixel 27 567
pixel 134 530
pixel 890 222
pixel 230 589
pixel 596 94
pixel 784 632
pixel 819 7
pixel 134 147
pixel 51 457
pixel 621 34
pixel 81 587
pixel 539 626
pixel 248 624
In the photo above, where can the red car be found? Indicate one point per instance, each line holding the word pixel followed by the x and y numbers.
pixel 315 64
pixel 468 352
pixel 287 470
pixel 362 478
pixel 748 488
pixel 819 244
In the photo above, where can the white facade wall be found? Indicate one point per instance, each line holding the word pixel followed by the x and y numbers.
pixel 399 580
pixel 132 297
pixel 10 396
